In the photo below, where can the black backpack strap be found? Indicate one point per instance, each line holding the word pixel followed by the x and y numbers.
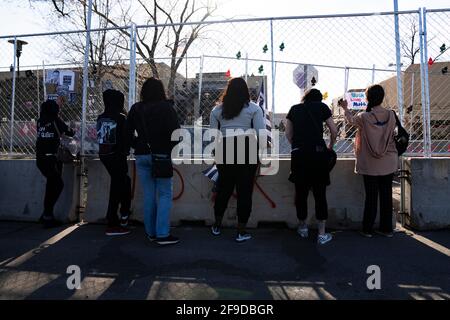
pixel 57 129
pixel 397 121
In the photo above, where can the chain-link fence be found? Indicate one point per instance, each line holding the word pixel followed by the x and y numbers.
pixel 339 54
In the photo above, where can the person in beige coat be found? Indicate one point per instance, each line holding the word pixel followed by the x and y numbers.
pixel 376 159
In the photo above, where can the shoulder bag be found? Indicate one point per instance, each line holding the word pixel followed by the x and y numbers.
pixel 162 166
pixel 64 153
pixel 401 138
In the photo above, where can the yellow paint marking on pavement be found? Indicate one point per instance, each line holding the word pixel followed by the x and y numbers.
pixel 436 246
pixel 33 252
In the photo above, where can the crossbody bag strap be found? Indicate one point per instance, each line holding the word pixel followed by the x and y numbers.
pixel 57 130
pixel 141 120
pixel 397 121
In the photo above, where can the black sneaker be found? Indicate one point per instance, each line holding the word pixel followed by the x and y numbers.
pixel 388 234
pixel 124 220
pixel 167 240
pixel 366 234
pixel 117 231
pixel 151 238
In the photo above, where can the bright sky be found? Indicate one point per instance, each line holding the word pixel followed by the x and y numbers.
pixel 266 8
pixel 17 18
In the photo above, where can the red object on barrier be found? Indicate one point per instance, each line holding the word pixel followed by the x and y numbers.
pixel 180 194
pixel 133 183
pixel 265 195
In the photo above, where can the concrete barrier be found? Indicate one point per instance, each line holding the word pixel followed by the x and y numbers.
pixel 427 193
pixel 345 197
pixel 194 204
pixel 22 192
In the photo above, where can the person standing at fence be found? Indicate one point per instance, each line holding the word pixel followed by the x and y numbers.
pixel 237 167
pixel 155 119
pixel 376 158
pixel 311 158
pixel 49 126
pixel 114 147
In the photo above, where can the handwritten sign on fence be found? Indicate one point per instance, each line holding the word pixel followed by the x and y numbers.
pixel 356 100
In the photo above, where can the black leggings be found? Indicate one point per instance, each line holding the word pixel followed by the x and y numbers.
pixel 52 170
pixel 241 176
pixel 120 189
pixel 375 185
pixel 301 200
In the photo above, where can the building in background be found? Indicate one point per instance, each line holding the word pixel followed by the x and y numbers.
pixel 439 87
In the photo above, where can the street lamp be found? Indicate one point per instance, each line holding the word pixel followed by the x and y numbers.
pixel 19 44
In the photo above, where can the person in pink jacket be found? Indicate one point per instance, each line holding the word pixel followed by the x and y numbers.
pixel 376 159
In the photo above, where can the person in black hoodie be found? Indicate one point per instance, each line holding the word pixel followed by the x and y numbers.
pixel 114 148
pixel 47 143
pixel 154 119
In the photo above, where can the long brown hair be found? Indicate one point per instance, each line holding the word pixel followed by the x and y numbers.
pixel 374 96
pixel 153 91
pixel 235 97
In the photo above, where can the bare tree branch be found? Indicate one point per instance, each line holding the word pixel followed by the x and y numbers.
pixel 60 9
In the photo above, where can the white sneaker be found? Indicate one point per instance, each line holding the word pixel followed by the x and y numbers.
pixel 215 230
pixel 243 237
pixel 303 232
pixel 324 238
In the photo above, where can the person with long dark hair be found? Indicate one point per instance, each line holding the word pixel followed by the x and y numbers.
pixel 49 128
pixel 114 147
pixel 309 158
pixel 238 161
pixel 376 159
pixel 154 119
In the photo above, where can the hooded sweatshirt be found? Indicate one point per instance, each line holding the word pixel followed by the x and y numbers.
pixel 375 150
pixel 111 126
pixel 48 140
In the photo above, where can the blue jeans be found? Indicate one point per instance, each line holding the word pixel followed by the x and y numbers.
pixel 157 198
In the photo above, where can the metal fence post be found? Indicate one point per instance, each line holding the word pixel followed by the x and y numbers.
pixel 198 118
pixel 272 56
pixel 200 85
pixel 427 86
pixel 246 67
pixel 38 89
pixel 43 80
pixel 398 62
pixel 373 75
pixel 82 174
pixel 86 77
pixel 132 80
pixel 423 70
pixel 399 104
pixel 13 98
